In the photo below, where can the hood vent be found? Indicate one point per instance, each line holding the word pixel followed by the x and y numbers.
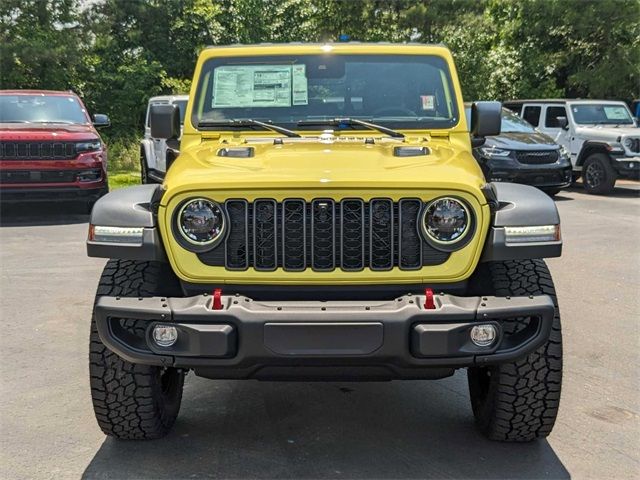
pixel 236 152
pixel 410 151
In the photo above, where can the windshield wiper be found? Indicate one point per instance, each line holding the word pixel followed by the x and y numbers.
pixel 248 123
pixel 350 122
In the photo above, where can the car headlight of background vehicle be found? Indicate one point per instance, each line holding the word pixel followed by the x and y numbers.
pixel 200 224
pixel 447 223
pixel 90 146
pixel 493 152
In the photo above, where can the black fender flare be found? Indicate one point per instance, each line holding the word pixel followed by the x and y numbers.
pixel 516 205
pixel 129 207
pixel 589 147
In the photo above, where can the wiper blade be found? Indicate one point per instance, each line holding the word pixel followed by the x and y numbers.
pixel 248 123
pixel 349 122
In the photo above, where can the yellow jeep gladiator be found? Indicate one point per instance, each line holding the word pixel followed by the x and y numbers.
pixel 323 218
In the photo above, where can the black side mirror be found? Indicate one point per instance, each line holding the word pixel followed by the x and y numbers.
pixel 164 121
pixel 563 123
pixel 485 119
pixel 101 120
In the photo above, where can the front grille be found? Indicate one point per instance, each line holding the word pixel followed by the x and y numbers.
pixel 537 157
pixel 324 235
pixel 38 150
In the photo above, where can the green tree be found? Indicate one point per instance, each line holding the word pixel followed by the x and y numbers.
pixel 41 44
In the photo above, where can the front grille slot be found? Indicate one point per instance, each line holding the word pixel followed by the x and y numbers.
pixel 265 226
pixel 381 234
pixel 237 244
pixel 537 157
pixel 324 235
pixel 294 235
pixel 410 243
pixel 352 240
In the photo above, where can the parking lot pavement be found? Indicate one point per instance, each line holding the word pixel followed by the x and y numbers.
pixel 250 429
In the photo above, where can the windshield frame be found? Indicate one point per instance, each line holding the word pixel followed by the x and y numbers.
pixel 571 106
pixel 209 65
pixel 82 109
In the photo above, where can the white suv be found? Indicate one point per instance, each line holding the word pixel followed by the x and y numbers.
pixel 153 151
pixel 601 136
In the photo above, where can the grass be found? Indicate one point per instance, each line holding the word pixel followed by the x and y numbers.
pixel 124 163
pixel 123 178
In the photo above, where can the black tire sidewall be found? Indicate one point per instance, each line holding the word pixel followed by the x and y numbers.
pixel 609 175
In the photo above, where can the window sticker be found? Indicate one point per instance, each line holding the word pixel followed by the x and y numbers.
pixel 616 113
pixel 300 88
pixel 242 86
pixel 428 102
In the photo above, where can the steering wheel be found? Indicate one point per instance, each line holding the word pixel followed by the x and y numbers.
pixel 390 111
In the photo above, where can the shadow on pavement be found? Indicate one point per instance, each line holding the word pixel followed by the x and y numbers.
pixel 42 213
pixel 248 429
pixel 623 189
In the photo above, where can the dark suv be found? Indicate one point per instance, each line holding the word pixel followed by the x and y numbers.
pixel 521 154
pixel 49 148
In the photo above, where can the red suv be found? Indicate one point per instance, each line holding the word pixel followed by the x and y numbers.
pixel 49 148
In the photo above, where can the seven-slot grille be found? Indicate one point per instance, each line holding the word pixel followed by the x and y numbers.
pixel 323 235
pixel 539 157
pixel 25 150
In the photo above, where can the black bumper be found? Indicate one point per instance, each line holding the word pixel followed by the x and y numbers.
pixel 56 194
pixel 336 339
pixel 541 176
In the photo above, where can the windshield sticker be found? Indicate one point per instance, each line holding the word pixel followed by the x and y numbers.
pixel 252 86
pixel 616 113
pixel 428 102
pixel 300 88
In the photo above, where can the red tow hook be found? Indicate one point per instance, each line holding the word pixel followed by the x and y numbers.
pixel 429 303
pixel 217 299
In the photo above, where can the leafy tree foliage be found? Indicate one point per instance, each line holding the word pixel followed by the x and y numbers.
pixel 118 53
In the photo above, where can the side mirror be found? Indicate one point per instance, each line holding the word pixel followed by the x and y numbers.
pixel 563 123
pixel 101 120
pixel 486 119
pixel 164 121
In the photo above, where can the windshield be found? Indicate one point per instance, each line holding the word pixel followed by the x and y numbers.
pixel 41 109
pixel 600 114
pixel 511 123
pixel 397 91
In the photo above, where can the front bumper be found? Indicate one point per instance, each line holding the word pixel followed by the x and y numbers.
pixel 553 175
pixel 355 340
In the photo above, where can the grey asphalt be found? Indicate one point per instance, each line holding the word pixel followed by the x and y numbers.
pixel 236 429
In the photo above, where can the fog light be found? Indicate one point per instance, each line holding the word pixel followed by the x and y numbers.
pixel 165 335
pixel 483 335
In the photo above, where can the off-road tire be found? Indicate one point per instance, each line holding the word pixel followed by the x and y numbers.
pixel 133 401
pixel 518 401
pixel 598 176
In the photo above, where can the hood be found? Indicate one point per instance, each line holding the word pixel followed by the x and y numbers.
pixel 314 164
pixel 606 132
pixel 522 141
pixel 46 131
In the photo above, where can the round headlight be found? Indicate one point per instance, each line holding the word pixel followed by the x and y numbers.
pixel 628 142
pixel 446 221
pixel 201 222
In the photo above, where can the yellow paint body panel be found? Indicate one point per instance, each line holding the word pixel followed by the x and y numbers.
pixel 338 167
